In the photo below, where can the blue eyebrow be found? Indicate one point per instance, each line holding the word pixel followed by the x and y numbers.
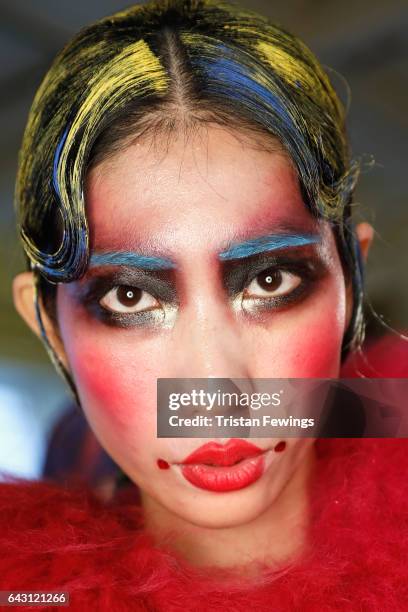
pixel 271 242
pixel 128 258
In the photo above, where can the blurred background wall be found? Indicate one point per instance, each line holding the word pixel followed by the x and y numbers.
pixel 365 44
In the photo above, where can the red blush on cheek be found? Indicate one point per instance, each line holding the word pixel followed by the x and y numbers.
pixel 112 390
pixel 101 384
pixel 317 354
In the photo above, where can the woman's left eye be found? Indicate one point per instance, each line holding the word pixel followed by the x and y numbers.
pixel 125 299
pixel 272 283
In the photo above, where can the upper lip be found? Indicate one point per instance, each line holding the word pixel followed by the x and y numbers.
pixel 214 453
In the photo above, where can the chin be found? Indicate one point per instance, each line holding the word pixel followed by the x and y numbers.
pixel 224 510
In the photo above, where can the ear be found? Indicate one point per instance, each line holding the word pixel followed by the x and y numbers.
pixel 365 233
pixel 24 302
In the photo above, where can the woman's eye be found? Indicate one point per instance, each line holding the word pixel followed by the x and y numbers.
pixel 272 283
pixel 127 299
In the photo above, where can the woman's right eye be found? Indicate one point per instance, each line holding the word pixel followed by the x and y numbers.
pixel 126 299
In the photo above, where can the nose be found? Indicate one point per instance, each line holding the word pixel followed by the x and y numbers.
pixel 207 341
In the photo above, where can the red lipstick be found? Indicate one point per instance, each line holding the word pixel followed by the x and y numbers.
pixel 221 468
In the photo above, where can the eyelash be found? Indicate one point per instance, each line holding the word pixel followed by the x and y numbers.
pixel 305 271
pixel 100 287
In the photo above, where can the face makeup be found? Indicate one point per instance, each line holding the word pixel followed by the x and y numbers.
pixel 259 275
pixel 205 263
pixel 222 468
pixel 270 242
pixel 129 259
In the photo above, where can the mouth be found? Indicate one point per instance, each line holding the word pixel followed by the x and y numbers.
pixel 223 468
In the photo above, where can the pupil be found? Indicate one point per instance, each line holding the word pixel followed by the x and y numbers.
pixel 270 280
pixel 129 296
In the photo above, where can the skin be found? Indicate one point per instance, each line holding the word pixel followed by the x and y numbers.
pixel 187 204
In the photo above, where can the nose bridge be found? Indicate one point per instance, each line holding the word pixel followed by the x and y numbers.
pixel 208 342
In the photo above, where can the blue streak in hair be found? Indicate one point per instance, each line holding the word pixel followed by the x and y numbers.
pixel 228 72
pixel 270 104
pixel 271 242
pixel 125 258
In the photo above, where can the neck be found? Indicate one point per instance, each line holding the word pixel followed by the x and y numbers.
pixel 274 537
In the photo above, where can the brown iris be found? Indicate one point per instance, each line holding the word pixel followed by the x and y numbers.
pixel 269 280
pixel 128 296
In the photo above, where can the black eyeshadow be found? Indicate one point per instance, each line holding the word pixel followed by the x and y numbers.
pixel 160 284
pixel 239 273
pixel 153 282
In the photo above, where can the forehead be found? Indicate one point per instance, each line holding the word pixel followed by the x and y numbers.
pixel 195 193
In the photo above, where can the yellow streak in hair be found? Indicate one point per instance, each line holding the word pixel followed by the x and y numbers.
pixel 289 68
pixel 133 73
pixel 296 66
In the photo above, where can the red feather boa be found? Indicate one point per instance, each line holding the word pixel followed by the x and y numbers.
pixel 58 539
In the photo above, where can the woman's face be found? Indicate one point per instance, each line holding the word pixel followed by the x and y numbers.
pixel 222 302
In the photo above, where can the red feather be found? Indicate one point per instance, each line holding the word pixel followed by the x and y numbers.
pixel 59 539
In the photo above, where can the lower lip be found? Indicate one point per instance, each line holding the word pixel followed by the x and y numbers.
pixel 225 478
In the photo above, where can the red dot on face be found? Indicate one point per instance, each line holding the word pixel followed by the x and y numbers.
pixel 162 464
pixel 280 447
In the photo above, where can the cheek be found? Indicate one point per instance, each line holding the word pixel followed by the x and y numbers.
pixel 316 348
pixel 116 382
pixel 305 343
pixel 117 402
pixel 316 352
pixel 117 391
